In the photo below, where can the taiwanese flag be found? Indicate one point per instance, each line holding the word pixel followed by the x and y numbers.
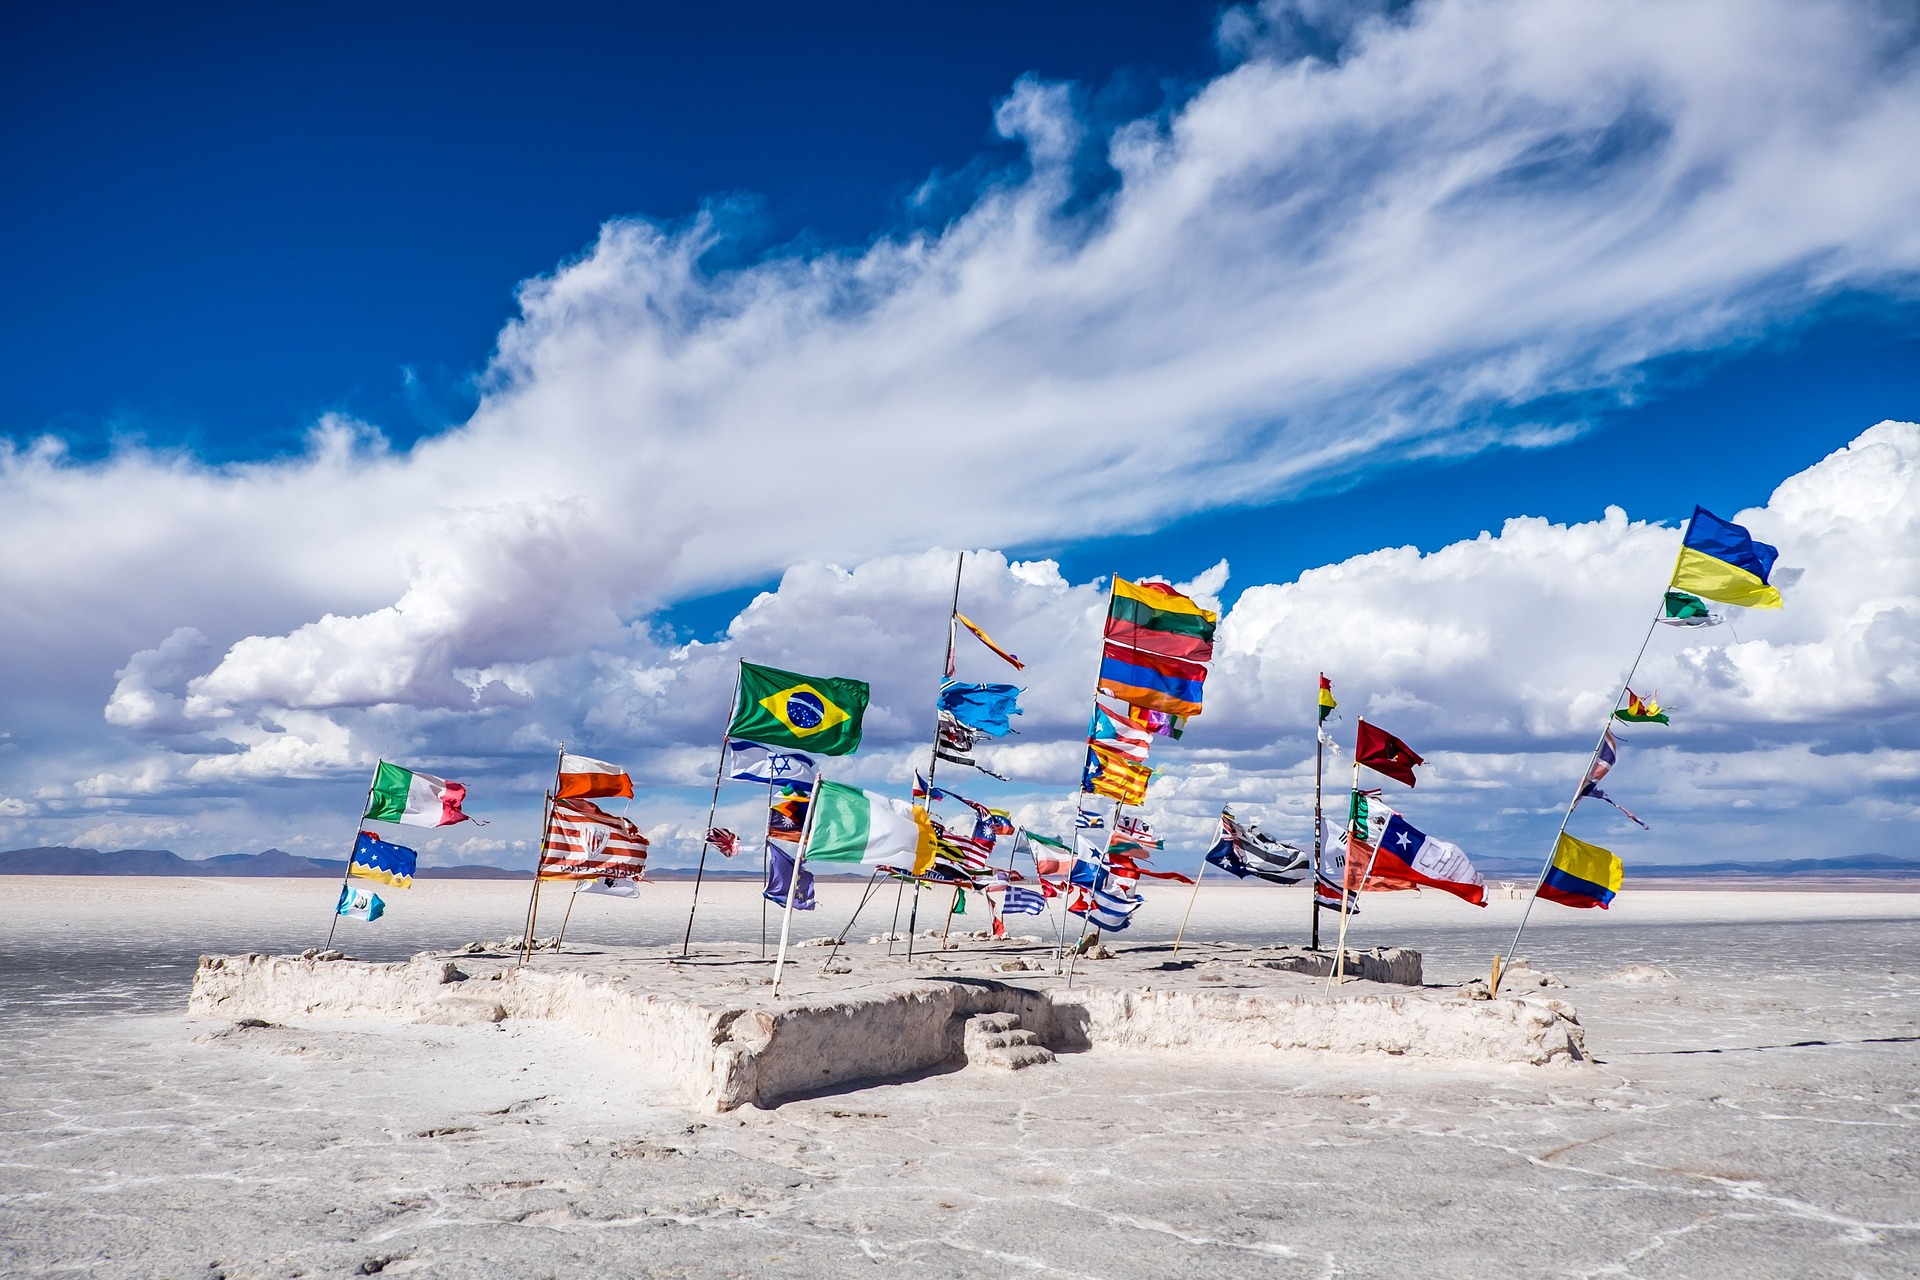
pixel 1380 751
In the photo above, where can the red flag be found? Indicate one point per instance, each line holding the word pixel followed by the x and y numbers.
pixel 1382 752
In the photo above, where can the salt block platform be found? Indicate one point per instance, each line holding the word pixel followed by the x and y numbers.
pixel 708 1031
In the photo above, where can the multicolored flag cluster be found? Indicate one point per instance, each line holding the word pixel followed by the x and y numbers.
pixel 402 796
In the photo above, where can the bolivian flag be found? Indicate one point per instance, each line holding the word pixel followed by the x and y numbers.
pixel 1721 561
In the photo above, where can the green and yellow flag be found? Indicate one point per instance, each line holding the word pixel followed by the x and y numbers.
pixel 787 709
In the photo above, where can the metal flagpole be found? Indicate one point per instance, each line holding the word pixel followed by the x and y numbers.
pixel 1578 787
pixel 893 929
pixel 913 914
pixel 347 871
pixel 546 826
pixel 841 940
pixel 793 889
pixel 713 807
pixel 946 670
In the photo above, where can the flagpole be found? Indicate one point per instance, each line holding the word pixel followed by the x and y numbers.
pixel 1346 874
pixel 763 860
pixel 713 807
pixel 1195 897
pixel 566 916
pixel 1578 787
pixel 1059 934
pixel 540 858
pixel 347 871
pixel 841 940
pixel 793 887
pixel 1319 764
pixel 933 764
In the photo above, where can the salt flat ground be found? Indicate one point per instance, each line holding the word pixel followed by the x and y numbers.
pixel 1757 1114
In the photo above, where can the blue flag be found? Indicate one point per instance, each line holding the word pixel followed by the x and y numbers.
pixel 780 875
pixel 981 707
pixel 359 903
pixel 376 859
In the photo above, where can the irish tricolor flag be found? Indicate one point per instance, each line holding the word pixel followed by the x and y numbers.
pixel 416 799
pixel 851 825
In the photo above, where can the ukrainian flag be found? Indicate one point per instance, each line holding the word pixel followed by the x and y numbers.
pixel 1582 874
pixel 1721 561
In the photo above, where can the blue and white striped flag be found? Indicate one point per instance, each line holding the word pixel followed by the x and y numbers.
pixel 358 903
pixel 1107 908
pixel 1020 901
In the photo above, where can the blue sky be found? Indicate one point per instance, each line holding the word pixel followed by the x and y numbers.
pixel 417 382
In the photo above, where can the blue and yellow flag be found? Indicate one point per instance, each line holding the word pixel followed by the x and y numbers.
pixel 1582 874
pixel 1721 561
pixel 376 859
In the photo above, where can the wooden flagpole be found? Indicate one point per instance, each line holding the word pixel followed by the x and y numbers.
pixel 946 668
pixel 1319 763
pixel 540 859
pixel 841 940
pixel 567 915
pixel 1191 899
pixel 793 886
pixel 766 866
pixel 1500 971
pixel 713 807
pixel 347 871
pixel 1346 876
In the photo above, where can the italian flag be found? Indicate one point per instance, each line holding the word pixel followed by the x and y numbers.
pixel 415 799
pixel 851 825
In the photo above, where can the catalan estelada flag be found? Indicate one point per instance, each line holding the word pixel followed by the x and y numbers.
pixel 1152 617
pixel 1720 560
pixel 1151 681
pixel 1110 774
pixel 1581 874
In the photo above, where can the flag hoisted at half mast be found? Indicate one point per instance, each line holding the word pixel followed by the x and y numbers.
pixel 1720 560
pixel 1581 874
pixel 415 799
pixel 787 709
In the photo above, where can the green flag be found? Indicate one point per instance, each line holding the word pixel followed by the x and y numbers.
pixel 787 709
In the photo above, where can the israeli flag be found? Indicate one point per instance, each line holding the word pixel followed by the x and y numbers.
pixel 357 903
pixel 753 762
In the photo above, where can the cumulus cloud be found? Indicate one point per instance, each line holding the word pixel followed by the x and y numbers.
pixel 1370 238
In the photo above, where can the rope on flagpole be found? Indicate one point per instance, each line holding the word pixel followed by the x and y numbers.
pixel 1500 972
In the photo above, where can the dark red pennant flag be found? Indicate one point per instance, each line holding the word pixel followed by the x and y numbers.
pixel 1382 752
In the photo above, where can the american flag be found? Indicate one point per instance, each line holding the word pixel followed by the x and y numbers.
pixel 585 842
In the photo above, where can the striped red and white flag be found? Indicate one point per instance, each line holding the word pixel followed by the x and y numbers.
pixel 585 842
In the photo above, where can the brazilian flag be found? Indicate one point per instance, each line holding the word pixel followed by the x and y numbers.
pixel 787 709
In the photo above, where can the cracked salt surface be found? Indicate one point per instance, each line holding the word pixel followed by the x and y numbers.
pixel 1754 1115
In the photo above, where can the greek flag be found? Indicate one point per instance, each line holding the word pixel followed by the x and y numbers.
pixel 1019 901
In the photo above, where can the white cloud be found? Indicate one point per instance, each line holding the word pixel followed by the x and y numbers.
pixel 1306 269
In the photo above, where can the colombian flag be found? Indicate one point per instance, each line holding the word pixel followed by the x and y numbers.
pixel 1721 561
pixel 1582 874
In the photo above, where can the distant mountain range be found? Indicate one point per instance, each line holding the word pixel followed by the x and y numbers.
pixel 61 861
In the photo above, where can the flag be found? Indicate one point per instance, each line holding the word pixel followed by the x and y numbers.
pixel 1641 711
pixel 1409 854
pixel 786 815
pixel 1133 835
pixel 987 640
pixel 851 825
pixel 1581 874
pixel 1018 901
pixel 1000 822
pixel 1244 850
pixel 1128 871
pixel 1332 872
pixel 983 708
pixel 1327 704
pixel 1721 561
pixel 1159 722
pixel 1089 821
pixel 1605 758
pixel 786 709
pixel 375 859
pixel 968 855
pixel 1172 685
pixel 724 840
pixel 1108 773
pixel 1380 751
pixel 359 903
pixel 1120 733
pixel 1682 610
pixel 954 743
pixel 585 842
pixel 584 778
pixel 1151 617
pixel 1049 864
pixel 780 875
pixel 1367 823
pixel 1588 789
pixel 612 886
pixel 1104 906
pixel 756 762
pixel 416 799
